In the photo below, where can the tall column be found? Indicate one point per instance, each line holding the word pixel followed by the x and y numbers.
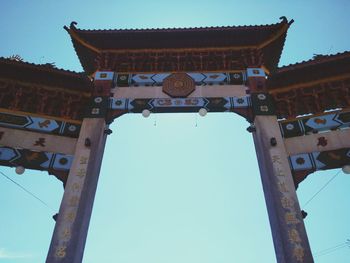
pixel 287 226
pixel 69 237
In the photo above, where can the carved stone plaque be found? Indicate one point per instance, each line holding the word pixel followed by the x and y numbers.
pixel 178 85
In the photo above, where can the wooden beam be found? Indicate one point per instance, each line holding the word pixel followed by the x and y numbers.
pixel 36 141
pixel 319 142
pixel 200 91
pixel 68 241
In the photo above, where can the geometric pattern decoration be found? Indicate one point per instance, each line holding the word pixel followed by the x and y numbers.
pixel 163 105
pixel 304 126
pixel 200 79
pixel 178 85
pixel 35 160
pixel 97 107
pixel 39 124
pixel 320 160
pixel 262 104
pixel 255 72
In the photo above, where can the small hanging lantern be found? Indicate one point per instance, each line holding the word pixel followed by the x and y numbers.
pixel 202 112
pixel 346 169
pixel 20 170
pixel 146 113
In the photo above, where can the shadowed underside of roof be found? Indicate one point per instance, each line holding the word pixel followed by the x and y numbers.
pixel 44 75
pixel 92 45
pixel 321 67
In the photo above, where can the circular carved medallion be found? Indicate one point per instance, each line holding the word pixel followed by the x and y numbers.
pixel 178 85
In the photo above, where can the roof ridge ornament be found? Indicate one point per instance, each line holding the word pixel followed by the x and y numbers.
pixel 73 25
pixel 285 20
pixel 74 35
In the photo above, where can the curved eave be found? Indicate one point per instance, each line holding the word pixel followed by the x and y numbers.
pixel 89 44
pixel 319 70
pixel 43 75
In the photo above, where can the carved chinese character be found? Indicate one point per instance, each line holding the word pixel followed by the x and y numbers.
pixel 73 201
pixel 40 142
pixel 287 202
pixel 83 160
pixel 66 233
pixel 298 253
pixel 276 159
pixel 294 236
pixel 322 141
pixel 76 187
pixel 81 172
pixel 282 187
pixel 61 251
pixel 279 172
pixel 70 216
pixel 291 219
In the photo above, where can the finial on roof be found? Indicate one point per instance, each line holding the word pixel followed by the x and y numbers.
pixel 317 56
pixel 15 58
pixel 285 20
pixel 50 65
pixel 73 24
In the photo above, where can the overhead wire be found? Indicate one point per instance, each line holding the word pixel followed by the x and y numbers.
pixel 27 191
pixel 332 249
pixel 323 187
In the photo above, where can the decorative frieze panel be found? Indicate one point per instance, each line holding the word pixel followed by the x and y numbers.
pixel 320 160
pixel 35 160
pixel 180 61
pixel 42 101
pixel 180 104
pixel 314 99
pixel 39 124
pixel 36 141
pixel 178 85
pixel 200 79
pixel 314 124
pixel 325 141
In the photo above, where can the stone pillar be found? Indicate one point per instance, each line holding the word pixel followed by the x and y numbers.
pixel 287 226
pixel 69 237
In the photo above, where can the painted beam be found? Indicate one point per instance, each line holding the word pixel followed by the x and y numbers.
pixel 320 160
pixel 35 141
pixel 313 124
pixel 211 91
pixel 11 119
pixel 161 105
pixel 319 142
pixel 43 161
pixel 157 79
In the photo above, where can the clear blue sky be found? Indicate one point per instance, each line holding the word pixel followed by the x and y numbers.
pixel 171 191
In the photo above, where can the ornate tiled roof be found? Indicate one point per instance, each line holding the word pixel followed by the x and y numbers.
pixel 43 74
pixel 268 39
pixel 312 87
pixel 320 67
